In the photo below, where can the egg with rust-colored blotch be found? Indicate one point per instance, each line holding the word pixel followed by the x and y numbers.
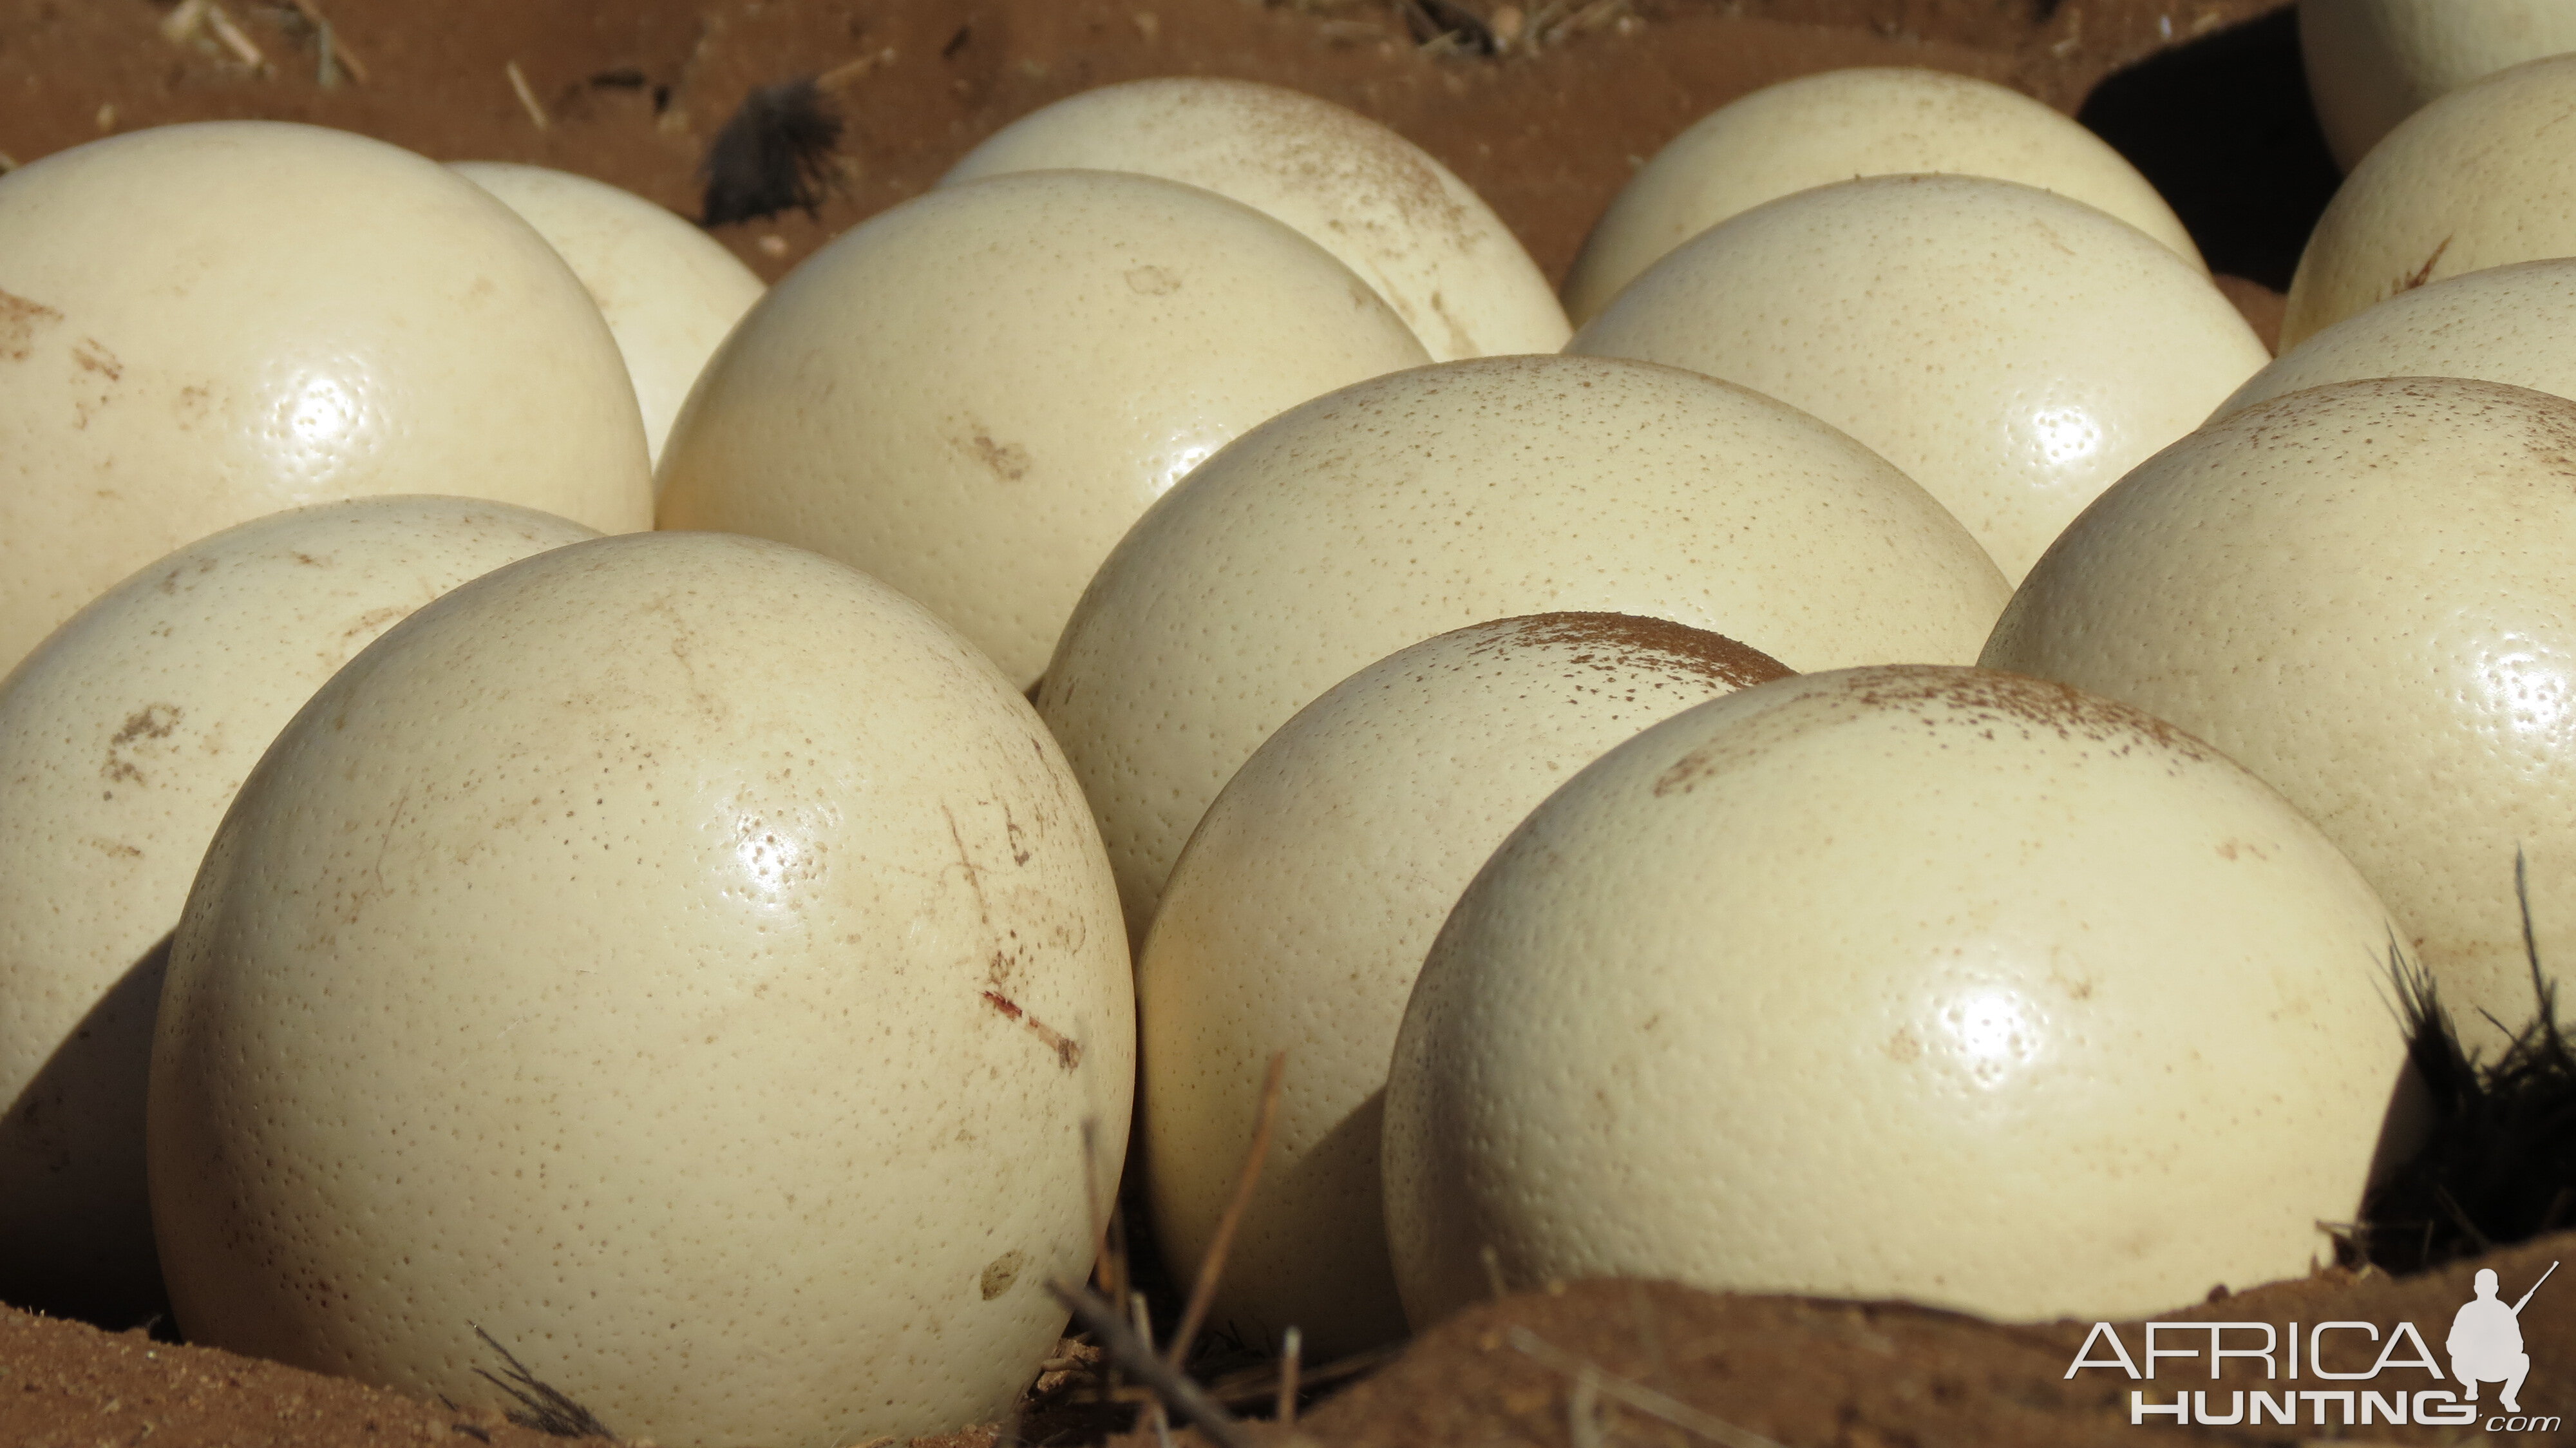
pixel 678 956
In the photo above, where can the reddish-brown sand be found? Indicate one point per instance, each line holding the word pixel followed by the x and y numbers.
pixel 632 91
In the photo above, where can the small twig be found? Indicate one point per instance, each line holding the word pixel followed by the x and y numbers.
pixel 1636 1395
pixel 1212 1265
pixel 527 97
pixel 1290 1350
pixel 1133 1353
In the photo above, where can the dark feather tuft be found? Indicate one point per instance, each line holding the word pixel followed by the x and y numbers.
pixel 2499 1165
pixel 542 1405
pixel 773 156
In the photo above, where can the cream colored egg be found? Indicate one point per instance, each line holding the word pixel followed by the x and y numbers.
pixel 2373 63
pixel 2360 593
pixel 972 396
pixel 1411 505
pixel 2474 180
pixel 122 740
pixel 678 956
pixel 201 324
pixel 1298 916
pixel 2514 324
pixel 668 291
pixel 1921 983
pixel 1430 246
pixel 2013 351
pixel 1840 124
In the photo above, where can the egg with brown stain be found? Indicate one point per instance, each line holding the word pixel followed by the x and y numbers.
pixel 1412 230
pixel 201 324
pixel 1938 984
pixel 122 740
pixel 678 956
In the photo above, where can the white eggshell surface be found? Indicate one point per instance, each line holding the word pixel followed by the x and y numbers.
pixel 2477 179
pixel 668 291
pixel 1412 230
pixel 1935 984
pixel 2011 350
pixel 2373 63
pixel 122 740
pixel 201 324
pixel 1299 913
pixel 1867 121
pixel 679 956
pixel 972 396
pixel 2359 592
pixel 1405 507
pixel 2512 324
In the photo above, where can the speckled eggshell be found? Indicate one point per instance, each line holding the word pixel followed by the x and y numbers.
pixel 2513 324
pixel 1298 915
pixel 201 324
pixel 1921 983
pixel 2013 351
pixel 2474 180
pixel 2360 593
pixel 1869 121
pixel 678 956
pixel 2373 63
pixel 1428 244
pixel 122 740
pixel 1405 507
pixel 972 396
pixel 668 291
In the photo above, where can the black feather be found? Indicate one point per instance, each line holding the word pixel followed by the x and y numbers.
pixel 774 155
pixel 2499 1165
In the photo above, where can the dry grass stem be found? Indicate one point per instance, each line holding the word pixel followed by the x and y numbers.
pixel 1261 1384
pixel 527 97
pixel 1289 1351
pixel 1212 1265
pixel 1136 1355
pixel 335 52
pixel 1583 1409
pixel 184 21
pixel 233 39
pixel 1636 1395
pixel 850 70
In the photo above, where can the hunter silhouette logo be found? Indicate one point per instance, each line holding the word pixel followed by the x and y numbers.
pixel 2486 1341
pixel 2484 1346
